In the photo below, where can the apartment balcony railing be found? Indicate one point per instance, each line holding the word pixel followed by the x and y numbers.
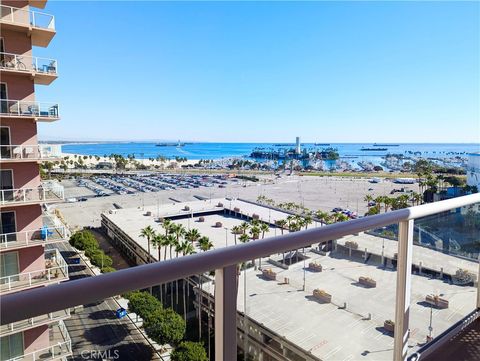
pixel 40 26
pixel 56 270
pixel 60 346
pixel 34 322
pixel 29 109
pixel 43 70
pixel 44 235
pixel 27 152
pixel 400 248
pixel 46 192
pixel 24 17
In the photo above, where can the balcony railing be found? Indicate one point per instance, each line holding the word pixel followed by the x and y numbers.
pixel 47 192
pixel 60 346
pixel 43 235
pixel 22 17
pixel 55 269
pixel 30 64
pixel 30 109
pixel 29 152
pixel 225 261
pixel 34 322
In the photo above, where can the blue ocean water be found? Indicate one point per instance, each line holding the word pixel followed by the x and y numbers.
pixel 229 150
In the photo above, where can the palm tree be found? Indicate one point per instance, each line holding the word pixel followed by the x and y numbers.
pixel 281 223
pixel 205 244
pixel 255 232
pixel 244 238
pixel 178 230
pixel 166 224
pixel 244 227
pixel 171 241
pixel 368 198
pixel 264 228
pixel 192 235
pixel 187 250
pixel 148 233
pixel 158 242
pixel 308 219
pixel 236 230
pixel 322 216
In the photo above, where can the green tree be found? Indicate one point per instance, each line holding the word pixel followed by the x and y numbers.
pixel 192 235
pixel 165 326
pixel 189 351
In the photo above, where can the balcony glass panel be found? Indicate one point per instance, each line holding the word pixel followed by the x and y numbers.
pixel 35 64
pixel 9 14
pixel 445 271
pixel 21 108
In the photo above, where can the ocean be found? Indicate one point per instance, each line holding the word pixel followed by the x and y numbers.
pixel 230 150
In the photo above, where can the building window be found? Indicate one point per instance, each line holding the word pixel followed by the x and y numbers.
pixel 11 346
pixel 9 267
pixel 8 227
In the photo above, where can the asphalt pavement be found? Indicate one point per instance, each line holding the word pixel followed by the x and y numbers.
pixel 96 332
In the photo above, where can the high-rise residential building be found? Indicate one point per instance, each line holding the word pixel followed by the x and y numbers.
pixel 27 259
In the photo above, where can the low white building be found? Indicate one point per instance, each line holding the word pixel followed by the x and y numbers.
pixel 473 170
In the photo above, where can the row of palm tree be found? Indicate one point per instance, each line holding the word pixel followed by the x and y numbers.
pixel 375 204
pixel 175 238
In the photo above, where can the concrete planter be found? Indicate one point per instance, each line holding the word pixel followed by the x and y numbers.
pixel 322 296
pixel 315 267
pixel 368 282
pixel 436 301
pixel 389 326
pixel 269 274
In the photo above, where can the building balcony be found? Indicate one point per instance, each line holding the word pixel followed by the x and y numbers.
pixel 23 325
pixel 38 111
pixel 383 287
pixel 29 153
pixel 39 26
pixel 44 235
pixel 55 271
pixel 47 192
pixel 42 70
pixel 60 347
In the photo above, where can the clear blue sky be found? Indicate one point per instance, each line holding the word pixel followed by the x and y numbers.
pixel 254 72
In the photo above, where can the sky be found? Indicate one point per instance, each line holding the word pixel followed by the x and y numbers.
pixel 265 71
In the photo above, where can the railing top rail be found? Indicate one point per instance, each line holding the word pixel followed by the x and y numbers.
pixel 46 186
pixel 34 230
pixel 31 303
pixel 27 11
pixel 27 101
pixel 27 56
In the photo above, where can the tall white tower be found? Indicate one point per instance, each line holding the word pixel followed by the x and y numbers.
pixel 297 147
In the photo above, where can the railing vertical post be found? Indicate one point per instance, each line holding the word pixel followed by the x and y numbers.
pixel 402 300
pixel 226 313
pixel 478 283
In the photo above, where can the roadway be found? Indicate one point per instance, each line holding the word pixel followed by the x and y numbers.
pixel 95 331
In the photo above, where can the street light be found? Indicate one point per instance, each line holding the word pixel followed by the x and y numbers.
pixel 226 236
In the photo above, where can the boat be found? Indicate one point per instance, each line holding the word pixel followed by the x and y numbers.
pixel 373 149
pixel 385 145
pixel 322 144
pixel 179 144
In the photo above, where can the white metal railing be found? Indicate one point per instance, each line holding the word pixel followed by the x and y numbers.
pixel 61 349
pixel 29 151
pixel 42 235
pixel 35 64
pixel 27 108
pixel 224 261
pixel 46 192
pixel 55 268
pixel 34 321
pixel 35 19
